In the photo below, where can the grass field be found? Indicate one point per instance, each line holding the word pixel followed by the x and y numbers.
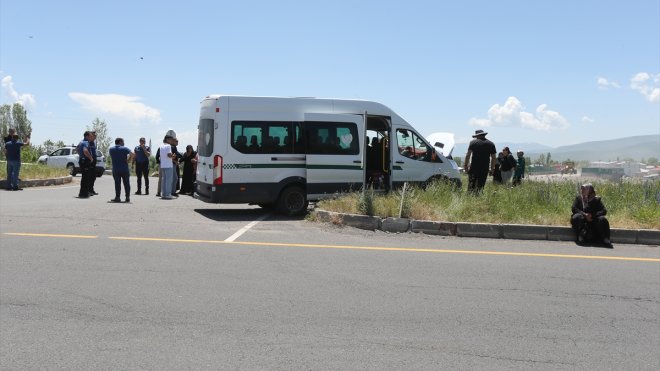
pixel 630 204
pixel 34 171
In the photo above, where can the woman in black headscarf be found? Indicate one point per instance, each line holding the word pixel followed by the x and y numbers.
pixel 588 220
pixel 189 171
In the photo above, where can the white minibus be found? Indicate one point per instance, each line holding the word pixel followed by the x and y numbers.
pixel 284 152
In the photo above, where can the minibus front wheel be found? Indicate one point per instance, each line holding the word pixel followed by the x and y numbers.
pixel 292 201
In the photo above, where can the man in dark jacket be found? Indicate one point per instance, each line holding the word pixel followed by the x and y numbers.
pixel 479 161
pixel 588 220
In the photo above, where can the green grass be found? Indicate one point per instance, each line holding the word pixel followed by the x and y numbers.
pixel 34 171
pixel 630 204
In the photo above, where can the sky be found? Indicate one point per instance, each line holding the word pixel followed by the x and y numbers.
pixel 551 72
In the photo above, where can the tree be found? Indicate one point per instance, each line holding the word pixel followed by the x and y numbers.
pixel 652 161
pixel 5 119
pixel 48 146
pixel 103 141
pixel 541 160
pixel 547 160
pixel 22 124
pixel 15 116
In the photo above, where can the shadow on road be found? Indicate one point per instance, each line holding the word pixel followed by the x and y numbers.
pixel 247 215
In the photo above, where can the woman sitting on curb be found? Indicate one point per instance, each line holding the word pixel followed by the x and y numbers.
pixel 588 220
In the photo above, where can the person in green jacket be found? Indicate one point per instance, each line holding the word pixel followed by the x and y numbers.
pixel 520 168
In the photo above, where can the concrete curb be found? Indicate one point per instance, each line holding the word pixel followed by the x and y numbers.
pixel 28 183
pixel 481 230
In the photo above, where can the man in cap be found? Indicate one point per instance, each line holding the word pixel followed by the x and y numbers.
pixel 479 161
pixel 85 160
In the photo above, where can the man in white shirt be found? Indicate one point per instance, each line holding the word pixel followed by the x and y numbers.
pixel 166 167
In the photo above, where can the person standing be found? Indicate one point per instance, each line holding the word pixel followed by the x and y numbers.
pixel 120 172
pixel 10 135
pixel 588 221
pixel 189 168
pixel 92 168
pixel 141 160
pixel 176 158
pixel 520 168
pixel 85 160
pixel 166 168
pixel 12 152
pixel 507 165
pixel 479 161
pixel 497 173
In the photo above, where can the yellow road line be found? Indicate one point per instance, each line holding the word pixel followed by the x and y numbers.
pixel 50 235
pixel 350 247
pixel 382 248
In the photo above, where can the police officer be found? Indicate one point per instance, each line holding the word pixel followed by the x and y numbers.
pixel 141 162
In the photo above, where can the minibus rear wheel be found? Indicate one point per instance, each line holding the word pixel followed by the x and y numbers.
pixel 292 201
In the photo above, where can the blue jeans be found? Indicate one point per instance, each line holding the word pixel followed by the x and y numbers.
pixel 13 168
pixel 168 181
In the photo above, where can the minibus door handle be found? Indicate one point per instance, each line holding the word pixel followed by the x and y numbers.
pixel 357 162
pixel 400 162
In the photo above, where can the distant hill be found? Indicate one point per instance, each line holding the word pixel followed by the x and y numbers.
pixel 637 147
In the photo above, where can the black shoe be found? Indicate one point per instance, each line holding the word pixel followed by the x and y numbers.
pixel 146 192
pixel 127 200
pixel 138 192
pixel 158 194
pixel 116 199
pixel 18 189
pixel 83 196
pixel 607 243
pixel 93 193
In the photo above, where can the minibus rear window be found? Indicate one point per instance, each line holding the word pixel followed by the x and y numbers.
pixel 205 140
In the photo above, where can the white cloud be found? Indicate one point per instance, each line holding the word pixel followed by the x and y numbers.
pixel 185 138
pixel 604 83
pixel 587 120
pixel 647 85
pixel 119 105
pixel 26 100
pixel 513 113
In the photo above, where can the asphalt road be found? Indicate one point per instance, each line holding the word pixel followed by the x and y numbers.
pixel 180 284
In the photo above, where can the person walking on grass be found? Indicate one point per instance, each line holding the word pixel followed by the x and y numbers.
pixel 520 168
pixel 479 161
pixel 120 172
pixel 12 153
pixel 507 165
pixel 497 172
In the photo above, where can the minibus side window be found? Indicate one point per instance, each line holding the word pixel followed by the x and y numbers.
pixel 332 138
pixel 265 137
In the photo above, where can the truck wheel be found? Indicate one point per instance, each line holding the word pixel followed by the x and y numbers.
pixel 292 201
pixel 71 169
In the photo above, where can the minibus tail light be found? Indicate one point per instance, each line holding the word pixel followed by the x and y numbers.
pixel 217 170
